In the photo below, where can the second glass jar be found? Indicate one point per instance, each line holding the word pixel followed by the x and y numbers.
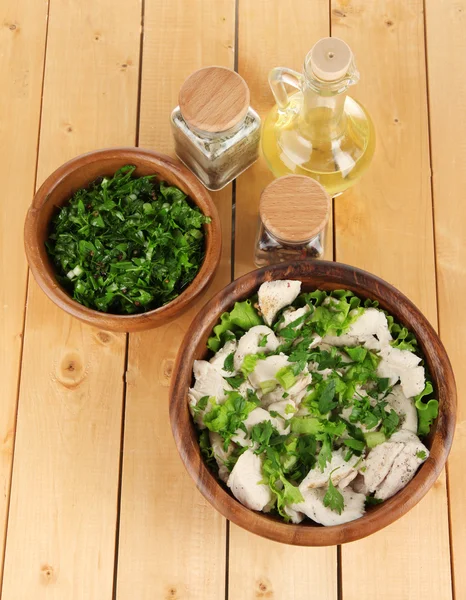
pixel 293 217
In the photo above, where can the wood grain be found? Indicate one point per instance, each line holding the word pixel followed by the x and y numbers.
pixel 295 208
pixel 446 47
pixel 385 226
pixel 172 543
pixel 22 40
pixel 214 99
pixel 61 531
pixel 288 31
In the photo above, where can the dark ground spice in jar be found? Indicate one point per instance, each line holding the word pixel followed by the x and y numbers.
pixel 294 212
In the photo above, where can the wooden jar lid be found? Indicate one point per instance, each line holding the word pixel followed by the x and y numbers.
pixel 330 58
pixel 294 208
pixel 214 99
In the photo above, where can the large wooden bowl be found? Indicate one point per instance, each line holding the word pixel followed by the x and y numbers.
pixel 326 276
pixel 80 172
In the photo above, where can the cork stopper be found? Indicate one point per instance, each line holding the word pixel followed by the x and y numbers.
pixel 330 59
pixel 214 99
pixel 294 208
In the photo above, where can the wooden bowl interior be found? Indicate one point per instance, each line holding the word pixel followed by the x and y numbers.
pixel 81 172
pixel 326 276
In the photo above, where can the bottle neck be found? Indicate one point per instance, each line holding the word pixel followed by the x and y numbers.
pixel 323 115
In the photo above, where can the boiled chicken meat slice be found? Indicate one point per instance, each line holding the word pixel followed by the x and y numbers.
pixel 267 368
pixel 218 360
pixel 285 408
pixel 338 469
pixel 391 465
pixel 296 392
pixel 370 329
pixel 313 506
pixel 405 465
pixel 245 482
pixel 404 408
pixel 208 382
pixel 379 462
pixel 292 314
pixel 258 415
pixel 402 365
pixel 249 343
pixel 221 456
pixel 295 516
pixel 275 295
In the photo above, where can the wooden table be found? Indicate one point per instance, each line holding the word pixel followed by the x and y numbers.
pixel 95 502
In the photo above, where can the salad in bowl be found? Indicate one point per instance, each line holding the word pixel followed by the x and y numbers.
pixel 312 405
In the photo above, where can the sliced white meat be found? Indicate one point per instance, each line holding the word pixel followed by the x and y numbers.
pixel 244 482
pixel 379 462
pixel 267 368
pixel 258 415
pixel 313 506
pixel 359 485
pixel 338 467
pixel 286 408
pixel 404 408
pixel 347 480
pixel 208 382
pixel 275 295
pixel 296 392
pixel 402 365
pixel 370 329
pixel 221 456
pixel 316 340
pixel 292 314
pixel 218 360
pixel 413 381
pixel 249 343
pixel 405 465
pixel 295 516
pixel 244 387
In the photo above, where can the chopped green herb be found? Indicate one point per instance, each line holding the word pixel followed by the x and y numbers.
pixel 333 498
pixel 421 455
pixel 228 363
pixel 127 244
pixel 263 341
pixel 235 381
pixel 326 398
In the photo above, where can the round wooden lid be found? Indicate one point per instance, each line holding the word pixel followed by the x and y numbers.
pixel 330 58
pixel 294 208
pixel 214 99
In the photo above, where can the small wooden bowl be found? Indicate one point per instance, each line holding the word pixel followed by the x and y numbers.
pixel 80 172
pixel 327 276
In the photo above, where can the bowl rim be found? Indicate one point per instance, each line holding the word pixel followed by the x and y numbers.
pixel 39 262
pixel 336 276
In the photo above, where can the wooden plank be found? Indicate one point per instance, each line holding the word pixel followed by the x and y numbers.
pixel 61 531
pixel 172 543
pixel 385 226
pixel 260 568
pixel 22 39
pixel 446 46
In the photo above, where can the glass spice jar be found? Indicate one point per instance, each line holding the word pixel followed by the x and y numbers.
pixel 293 217
pixel 216 132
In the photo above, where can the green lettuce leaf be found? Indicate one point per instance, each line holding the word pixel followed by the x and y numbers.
pixel 243 316
pixel 426 411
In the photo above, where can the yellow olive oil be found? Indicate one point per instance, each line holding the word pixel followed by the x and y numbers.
pixel 313 141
